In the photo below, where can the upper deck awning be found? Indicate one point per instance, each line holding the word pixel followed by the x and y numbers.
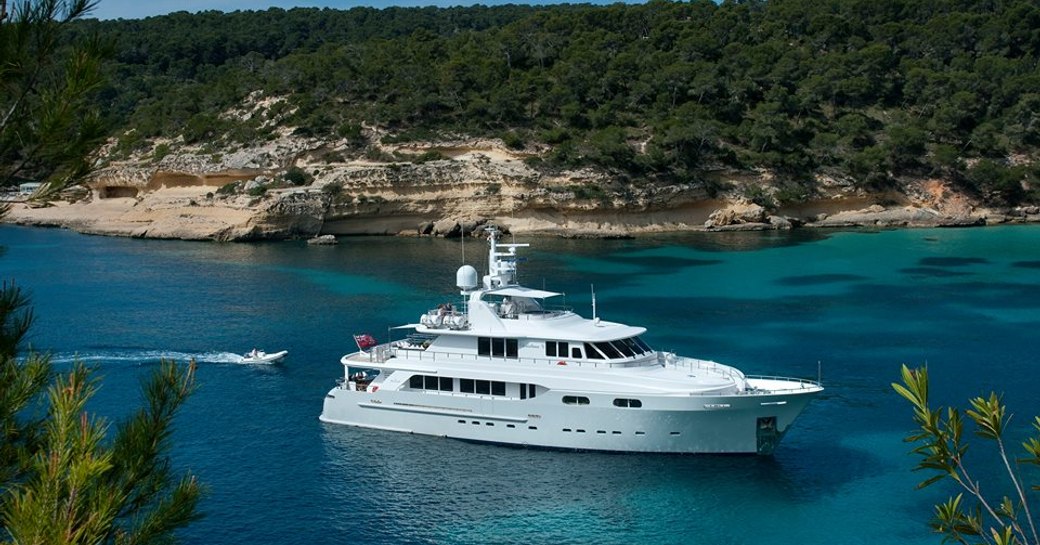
pixel 520 291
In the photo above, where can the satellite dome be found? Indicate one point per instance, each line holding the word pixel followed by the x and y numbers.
pixel 466 277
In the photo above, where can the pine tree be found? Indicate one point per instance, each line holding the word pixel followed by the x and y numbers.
pixel 62 479
pixel 49 120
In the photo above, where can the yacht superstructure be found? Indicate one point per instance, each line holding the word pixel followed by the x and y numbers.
pixel 507 367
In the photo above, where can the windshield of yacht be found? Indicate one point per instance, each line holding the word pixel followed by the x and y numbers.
pixel 621 348
pixel 520 305
pixel 526 304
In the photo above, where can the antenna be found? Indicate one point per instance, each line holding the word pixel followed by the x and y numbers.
pixel 463 230
pixel 593 288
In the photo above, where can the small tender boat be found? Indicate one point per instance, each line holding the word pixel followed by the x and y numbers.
pixel 259 356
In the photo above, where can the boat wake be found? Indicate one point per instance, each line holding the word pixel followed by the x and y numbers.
pixel 142 357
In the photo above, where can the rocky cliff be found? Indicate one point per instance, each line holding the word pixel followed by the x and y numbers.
pixel 301 187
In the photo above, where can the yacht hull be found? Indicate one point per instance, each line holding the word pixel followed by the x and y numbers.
pixel 746 423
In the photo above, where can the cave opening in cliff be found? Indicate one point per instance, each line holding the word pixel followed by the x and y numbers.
pixel 116 192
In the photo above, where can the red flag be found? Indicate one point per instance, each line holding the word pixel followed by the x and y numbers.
pixel 365 340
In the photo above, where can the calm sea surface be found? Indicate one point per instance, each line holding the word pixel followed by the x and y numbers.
pixel 854 304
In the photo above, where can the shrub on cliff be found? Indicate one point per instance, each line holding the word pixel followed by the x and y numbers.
pixel 228 189
pixel 297 176
pixel 161 150
pixel 1000 183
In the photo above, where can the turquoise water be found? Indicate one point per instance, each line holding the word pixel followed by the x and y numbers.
pixel 854 305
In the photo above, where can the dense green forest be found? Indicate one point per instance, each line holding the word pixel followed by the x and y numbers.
pixel 869 91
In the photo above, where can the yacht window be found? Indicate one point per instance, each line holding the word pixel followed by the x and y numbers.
pixel 633 403
pixel 483 386
pixel 643 345
pixel 523 391
pixel 491 346
pixel 592 353
pixel 466 385
pixel 431 382
pixel 631 344
pixel 620 346
pixel 416 381
pixel 498 388
pixel 608 350
pixel 575 400
pixel 558 348
pixel 446 384
pixel 530 390
pixel 576 353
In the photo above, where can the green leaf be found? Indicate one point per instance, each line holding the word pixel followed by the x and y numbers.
pixel 988 414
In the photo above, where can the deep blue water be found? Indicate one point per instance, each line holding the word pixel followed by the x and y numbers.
pixel 854 304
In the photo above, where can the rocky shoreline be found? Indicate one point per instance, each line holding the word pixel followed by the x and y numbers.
pixel 300 188
pixel 188 214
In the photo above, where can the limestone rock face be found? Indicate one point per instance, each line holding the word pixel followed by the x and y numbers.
pixel 246 194
pixel 879 216
pixel 780 222
pixel 737 213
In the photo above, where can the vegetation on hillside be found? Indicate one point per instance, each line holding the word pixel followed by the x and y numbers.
pixel 863 91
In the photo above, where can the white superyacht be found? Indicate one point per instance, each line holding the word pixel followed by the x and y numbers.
pixel 505 367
